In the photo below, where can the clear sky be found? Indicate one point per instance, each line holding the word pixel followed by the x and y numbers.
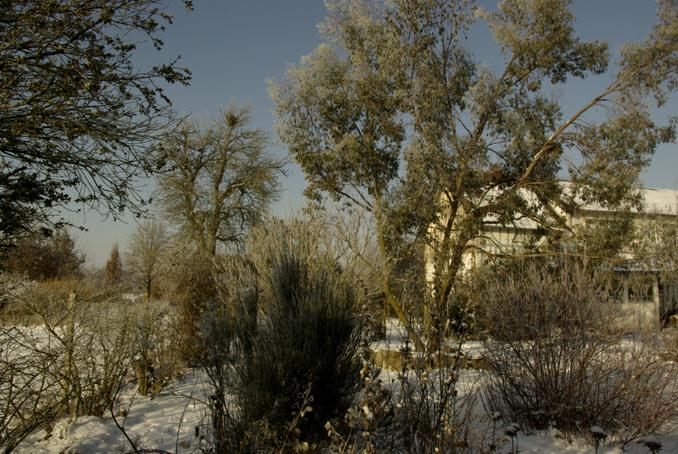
pixel 233 47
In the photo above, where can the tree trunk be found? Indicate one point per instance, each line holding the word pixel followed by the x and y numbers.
pixel 386 287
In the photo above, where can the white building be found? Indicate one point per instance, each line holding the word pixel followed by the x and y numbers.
pixel 647 303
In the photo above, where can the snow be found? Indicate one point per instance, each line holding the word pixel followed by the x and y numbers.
pixel 166 422
pixel 598 432
pixel 153 423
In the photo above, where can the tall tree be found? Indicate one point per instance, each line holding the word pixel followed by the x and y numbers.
pixel 114 267
pixel 78 114
pixel 218 180
pixel 405 123
pixel 146 247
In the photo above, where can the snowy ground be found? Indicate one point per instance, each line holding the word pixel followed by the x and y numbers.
pixel 154 424
pixel 167 422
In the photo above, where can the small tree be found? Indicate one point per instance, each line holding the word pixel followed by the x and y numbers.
pixel 114 267
pixel 147 244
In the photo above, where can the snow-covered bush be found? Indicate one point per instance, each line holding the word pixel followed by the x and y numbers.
pixel 420 411
pixel 557 359
pixel 90 336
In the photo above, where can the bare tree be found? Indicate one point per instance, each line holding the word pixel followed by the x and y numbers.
pixel 147 244
pixel 219 180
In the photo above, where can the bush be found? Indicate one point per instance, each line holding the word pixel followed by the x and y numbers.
pixel 294 369
pixel 557 360
pixel 72 361
pixel 30 395
pixel 421 411
pixel 188 281
pixel 310 337
pixel 23 304
pixel 157 348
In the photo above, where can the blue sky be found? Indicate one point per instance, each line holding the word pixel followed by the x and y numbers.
pixel 233 47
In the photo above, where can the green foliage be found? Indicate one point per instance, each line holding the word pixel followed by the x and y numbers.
pixel 218 181
pixel 78 115
pixel 288 354
pixel 38 257
pixel 603 239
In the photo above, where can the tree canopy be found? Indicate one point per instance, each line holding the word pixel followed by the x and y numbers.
pixel 78 111
pixel 395 115
pixel 219 180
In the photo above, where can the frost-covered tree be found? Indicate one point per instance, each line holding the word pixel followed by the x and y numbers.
pixel 218 181
pixel 147 244
pixel 394 115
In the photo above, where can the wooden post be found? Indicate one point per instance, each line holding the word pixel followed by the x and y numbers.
pixel 655 299
pixel 71 385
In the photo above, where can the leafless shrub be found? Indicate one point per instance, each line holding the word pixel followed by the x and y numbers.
pixel 24 299
pixel 557 359
pixel 421 411
pixel 157 348
pixel 670 341
pixel 91 340
pixel 29 393
pixel 70 361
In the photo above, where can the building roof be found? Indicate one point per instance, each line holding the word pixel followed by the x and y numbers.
pixel 655 201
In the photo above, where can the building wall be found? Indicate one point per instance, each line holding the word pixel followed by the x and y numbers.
pixel 499 240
